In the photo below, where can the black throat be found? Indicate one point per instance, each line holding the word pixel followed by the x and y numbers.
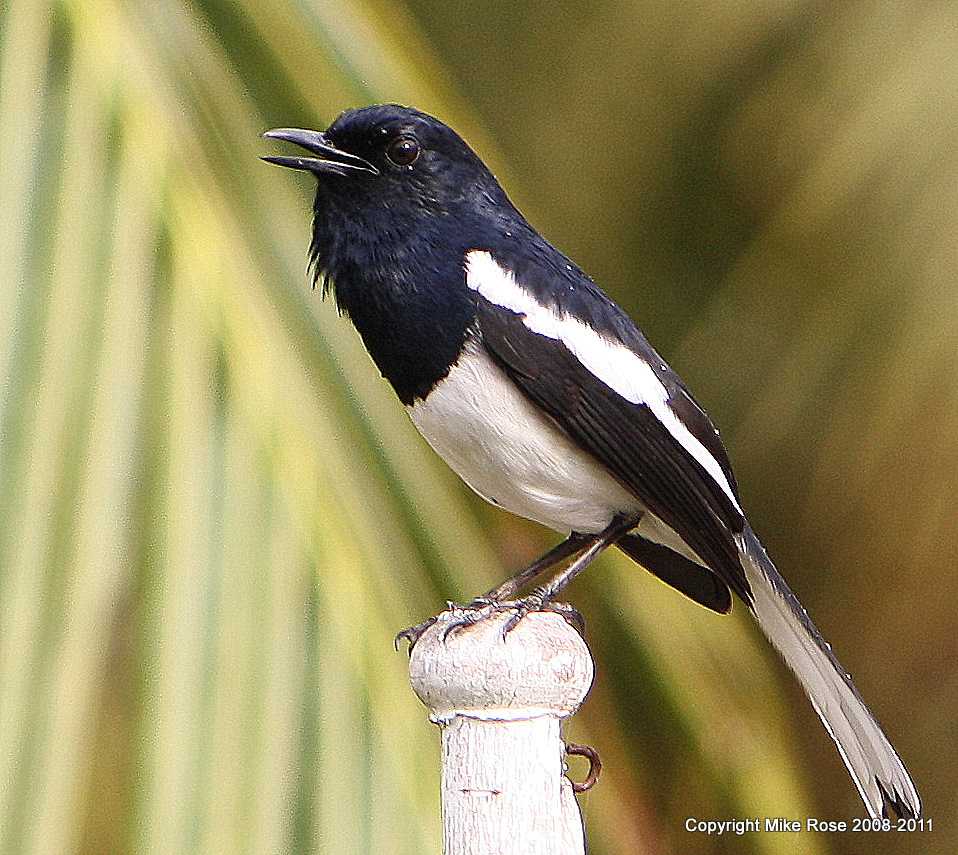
pixel 404 292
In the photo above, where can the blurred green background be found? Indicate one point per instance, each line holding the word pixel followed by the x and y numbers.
pixel 214 516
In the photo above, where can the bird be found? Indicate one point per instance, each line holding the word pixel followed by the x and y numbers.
pixel 546 399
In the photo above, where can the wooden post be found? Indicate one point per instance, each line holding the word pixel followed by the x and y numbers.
pixel 500 702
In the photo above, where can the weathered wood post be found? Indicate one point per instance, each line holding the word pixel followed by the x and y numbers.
pixel 500 702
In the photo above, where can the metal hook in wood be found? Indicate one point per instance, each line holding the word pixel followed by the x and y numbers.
pixel 595 765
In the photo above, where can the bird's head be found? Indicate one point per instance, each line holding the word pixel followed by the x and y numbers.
pixel 397 189
pixel 401 200
pixel 391 158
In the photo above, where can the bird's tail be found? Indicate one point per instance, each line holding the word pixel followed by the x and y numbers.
pixel 878 773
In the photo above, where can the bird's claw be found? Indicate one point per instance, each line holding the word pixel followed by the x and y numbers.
pixel 482 609
pixel 412 634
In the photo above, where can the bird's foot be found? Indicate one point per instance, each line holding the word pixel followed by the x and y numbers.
pixel 482 609
pixel 412 634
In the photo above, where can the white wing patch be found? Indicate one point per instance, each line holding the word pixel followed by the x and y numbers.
pixel 614 364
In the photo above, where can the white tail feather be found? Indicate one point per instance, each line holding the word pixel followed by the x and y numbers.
pixel 877 771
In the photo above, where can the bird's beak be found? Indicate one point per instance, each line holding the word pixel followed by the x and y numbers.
pixel 329 161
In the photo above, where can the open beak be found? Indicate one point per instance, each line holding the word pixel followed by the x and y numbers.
pixel 329 160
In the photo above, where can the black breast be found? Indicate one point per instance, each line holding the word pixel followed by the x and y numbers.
pixel 412 309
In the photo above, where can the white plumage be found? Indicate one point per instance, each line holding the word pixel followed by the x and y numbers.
pixel 512 455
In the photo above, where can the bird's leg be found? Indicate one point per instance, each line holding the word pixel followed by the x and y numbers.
pixel 621 524
pixel 572 545
pixel 541 598
pixel 587 547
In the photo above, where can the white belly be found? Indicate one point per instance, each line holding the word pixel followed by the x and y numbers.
pixel 511 455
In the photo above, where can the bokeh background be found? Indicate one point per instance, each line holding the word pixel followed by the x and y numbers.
pixel 214 516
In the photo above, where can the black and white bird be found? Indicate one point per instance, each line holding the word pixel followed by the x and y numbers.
pixel 544 397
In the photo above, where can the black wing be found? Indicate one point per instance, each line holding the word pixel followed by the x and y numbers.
pixel 626 438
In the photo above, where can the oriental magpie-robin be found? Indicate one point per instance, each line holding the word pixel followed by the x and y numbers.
pixel 544 397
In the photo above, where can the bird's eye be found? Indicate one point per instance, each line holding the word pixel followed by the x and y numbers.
pixel 403 151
